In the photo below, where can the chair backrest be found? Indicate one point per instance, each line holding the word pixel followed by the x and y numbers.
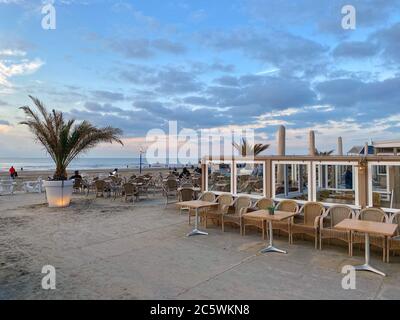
pixel 100 185
pixel 129 189
pixel 224 200
pixel 242 202
pixel 339 213
pixel 207 196
pixel 259 184
pixel 186 194
pixel 171 184
pixel 264 204
pixel 373 214
pixel 196 182
pixel 288 206
pixel 186 185
pixel 77 183
pixel 312 210
pixel 139 180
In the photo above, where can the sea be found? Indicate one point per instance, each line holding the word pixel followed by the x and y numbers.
pixel 44 164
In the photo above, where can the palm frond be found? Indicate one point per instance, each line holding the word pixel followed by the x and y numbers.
pixel 247 150
pixel 323 153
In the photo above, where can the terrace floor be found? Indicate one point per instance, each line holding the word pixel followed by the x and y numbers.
pixel 105 249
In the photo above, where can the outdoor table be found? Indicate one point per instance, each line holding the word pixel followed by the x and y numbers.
pixel 265 216
pixel 197 205
pixel 368 227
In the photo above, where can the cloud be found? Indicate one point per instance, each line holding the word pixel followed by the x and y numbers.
pixel 169 80
pixel 356 49
pixel 108 95
pixel 142 48
pixel 3 103
pixel 375 98
pixel 388 40
pixel 281 49
pixel 12 53
pixel 321 16
pixel 11 69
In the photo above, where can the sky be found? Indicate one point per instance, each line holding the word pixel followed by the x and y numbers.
pixel 206 64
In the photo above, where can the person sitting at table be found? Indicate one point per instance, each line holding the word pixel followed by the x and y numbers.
pixel 185 173
pixel 114 173
pixel 175 172
pixel 76 176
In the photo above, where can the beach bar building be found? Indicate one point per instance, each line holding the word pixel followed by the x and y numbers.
pixel 358 181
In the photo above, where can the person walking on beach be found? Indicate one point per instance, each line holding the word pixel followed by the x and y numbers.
pixel 13 172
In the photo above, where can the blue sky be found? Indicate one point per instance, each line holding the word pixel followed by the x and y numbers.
pixel 207 64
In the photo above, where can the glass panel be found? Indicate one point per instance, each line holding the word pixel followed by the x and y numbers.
pixel 219 177
pixel 386 186
pixel 335 184
pixel 250 178
pixel 291 181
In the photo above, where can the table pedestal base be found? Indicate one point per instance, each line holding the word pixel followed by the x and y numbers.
pixel 271 247
pixel 196 231
pixel 367 267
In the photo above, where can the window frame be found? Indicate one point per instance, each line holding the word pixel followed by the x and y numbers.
pixel 308 164
pixel 354 164
pixel 370 186
pixel 228 162
pixel 254 196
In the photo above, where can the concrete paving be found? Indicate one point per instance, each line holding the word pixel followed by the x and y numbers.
pixel 105 249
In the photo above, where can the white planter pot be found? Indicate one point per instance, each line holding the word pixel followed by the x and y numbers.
pixel 58 193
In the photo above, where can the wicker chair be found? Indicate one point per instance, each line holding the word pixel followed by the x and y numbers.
pixel 235 216
pixel 394 242
pixel 312 212
pixel 224 202
pixel 330 219
pixel 206 196
pixel 130 191
pixel 142 185
pixel 100 186
pixel 287 206
pixel 170 190
pixel 371 214
pixel 185 194
pixel 262 204
pixel 78 186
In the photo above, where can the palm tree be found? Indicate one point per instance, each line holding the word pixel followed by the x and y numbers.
pixel 245 149
pixel 64 139
pixel 323 153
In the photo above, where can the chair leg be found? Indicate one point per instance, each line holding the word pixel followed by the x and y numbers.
pixel 320 242
pixel 316 240
pixel 384 249
pixel 223 224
